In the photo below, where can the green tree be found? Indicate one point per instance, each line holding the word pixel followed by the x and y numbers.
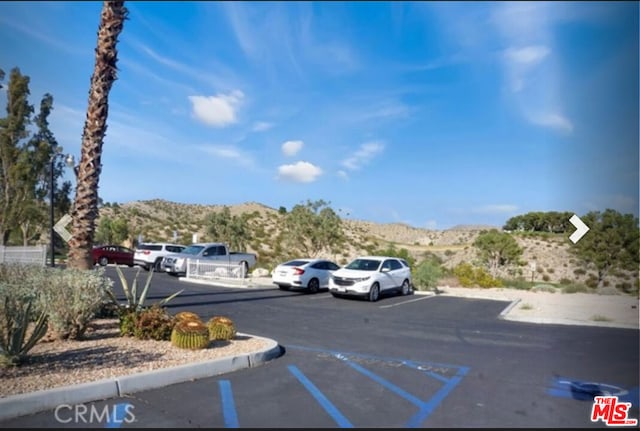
pixel 13 129
pixel 231 229
pixel 497 249
pixel 112 231
pixel 611 243
pixel 313 227
pixel 393 251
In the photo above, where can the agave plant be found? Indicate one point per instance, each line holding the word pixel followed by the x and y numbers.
pixel 14 343
pixel 135 303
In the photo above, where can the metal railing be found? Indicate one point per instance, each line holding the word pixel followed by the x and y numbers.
pixel 202 269
pixel 34 255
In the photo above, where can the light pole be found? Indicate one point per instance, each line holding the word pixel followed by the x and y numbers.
pixel 69 160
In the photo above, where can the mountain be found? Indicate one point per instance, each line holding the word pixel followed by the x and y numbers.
pixel 157 220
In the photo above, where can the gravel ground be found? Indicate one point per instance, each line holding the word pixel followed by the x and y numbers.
pixel 105 354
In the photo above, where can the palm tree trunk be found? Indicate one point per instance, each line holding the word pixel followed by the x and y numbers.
pixel 85 210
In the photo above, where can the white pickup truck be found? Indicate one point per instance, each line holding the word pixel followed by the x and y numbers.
pixel 176 263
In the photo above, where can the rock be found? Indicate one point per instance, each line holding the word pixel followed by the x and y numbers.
pixel 260 272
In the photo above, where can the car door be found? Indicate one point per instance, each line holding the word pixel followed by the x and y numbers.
pixel 322 272
pixel 398 273
pixel 386 275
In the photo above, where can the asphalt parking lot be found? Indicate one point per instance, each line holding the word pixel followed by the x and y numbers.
pixel 413 361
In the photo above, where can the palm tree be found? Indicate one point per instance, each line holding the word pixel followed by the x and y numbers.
pixel 85 209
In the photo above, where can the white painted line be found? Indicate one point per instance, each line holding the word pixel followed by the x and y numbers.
pixel 316 296
pixel 406 302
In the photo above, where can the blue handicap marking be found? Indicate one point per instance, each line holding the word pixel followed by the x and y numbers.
pixel 119 414
pixel 448 375
pixel 586 390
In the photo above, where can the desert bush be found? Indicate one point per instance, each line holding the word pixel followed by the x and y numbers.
pixel 22 322
pixel 135 302
pixel 72 298
pixel 565 281
pixel 579 271
pixel 517 283
pixel 153 323
pixel 575 288
pixel 426 274
pixel 469 276
pixel 544 288
pixel 546 277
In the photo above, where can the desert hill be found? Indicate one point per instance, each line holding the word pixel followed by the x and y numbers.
pixel 546 258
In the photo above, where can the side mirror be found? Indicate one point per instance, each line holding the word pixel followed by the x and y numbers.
pixel 385 270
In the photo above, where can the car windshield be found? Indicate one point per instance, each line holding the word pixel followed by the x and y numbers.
pixel 192 249
pixel 364 265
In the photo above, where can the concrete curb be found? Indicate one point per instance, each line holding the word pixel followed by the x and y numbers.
pixel 508 308
pixel 24 404
pixel 247 283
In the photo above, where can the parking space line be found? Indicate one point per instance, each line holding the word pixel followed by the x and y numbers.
pixel 228 406
pixel 428 407
pixel 406 302
pixel 328 295
pixel 332 410
pixel 393 388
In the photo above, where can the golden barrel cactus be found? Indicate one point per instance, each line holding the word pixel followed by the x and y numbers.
pixel 221 328
pixel 190 334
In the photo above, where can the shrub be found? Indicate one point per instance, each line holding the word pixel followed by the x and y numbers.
pixel 469 275
pixel 575 288
pixel 153 323
pixel 426 275
pixel 19 313
pixel 565 281
pixel 579 271
pixel 546 277
pixel 518 283
pixel 72 298
pixel 221 328
pixel 135 302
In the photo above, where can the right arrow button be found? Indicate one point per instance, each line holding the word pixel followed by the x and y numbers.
pixel 581 228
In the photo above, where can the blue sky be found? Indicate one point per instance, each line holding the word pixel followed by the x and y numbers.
pixel 427 113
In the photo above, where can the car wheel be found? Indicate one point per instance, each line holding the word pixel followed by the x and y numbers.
pixel 313 286
pixel 103 261
pixel 156 265
pixel 406 288
pixel 374 292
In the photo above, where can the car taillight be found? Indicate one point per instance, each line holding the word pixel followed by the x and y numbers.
pixel 298 271
pixel 146 252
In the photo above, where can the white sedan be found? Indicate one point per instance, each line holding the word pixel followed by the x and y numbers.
pixel 310 274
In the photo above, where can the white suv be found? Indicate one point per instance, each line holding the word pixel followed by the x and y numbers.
pixel 368 276
pixel 150 255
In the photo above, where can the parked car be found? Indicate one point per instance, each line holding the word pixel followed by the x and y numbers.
pixel 369 276
pixel 176 263
pixel 149 255
pixel 106 254
pixel 309 274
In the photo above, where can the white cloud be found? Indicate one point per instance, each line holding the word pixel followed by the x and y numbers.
pixel 527 55
pixel 261 126
pixel 300 172
pixel 228 152
pixel 342 174
pixel 217 111
pixel 291 148
pixel 554 121
pixel 495 209
pixel 365 153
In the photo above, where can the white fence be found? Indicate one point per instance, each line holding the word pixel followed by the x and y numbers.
pixel 36 255
pixel 198 269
